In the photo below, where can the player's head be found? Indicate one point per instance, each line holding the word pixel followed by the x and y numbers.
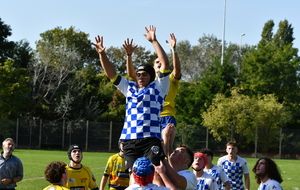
pixel 143 171
pixel 200 161
pixel 156 65
pixel 75 153
pixel 182 154
pixel 8 146
pixel 231 148
pixel 265 167
pixel 145 74
pixel 209 154
pixel 56 172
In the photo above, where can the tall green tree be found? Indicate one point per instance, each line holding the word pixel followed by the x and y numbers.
pixel 6 46
pixel 272 67
pixel 73 39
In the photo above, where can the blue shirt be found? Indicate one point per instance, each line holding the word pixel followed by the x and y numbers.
pixel 10 168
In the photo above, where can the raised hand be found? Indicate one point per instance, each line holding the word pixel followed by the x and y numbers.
pixel 99 44
pixel 129 48
pixel 150 36
pixel 172 42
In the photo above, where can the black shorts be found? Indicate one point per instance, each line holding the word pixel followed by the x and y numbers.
pixel 149 147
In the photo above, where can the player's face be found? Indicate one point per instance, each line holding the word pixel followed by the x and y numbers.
pixel 179 155
pixel 65 177
pixel 157 65
pixel 8 147
pixel 142 78
pixel 231 150
pixel 261 167
pixel 198 163
pixel 209 158
pixel 76 155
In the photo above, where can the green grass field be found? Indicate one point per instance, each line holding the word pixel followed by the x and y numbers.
pixel 35 161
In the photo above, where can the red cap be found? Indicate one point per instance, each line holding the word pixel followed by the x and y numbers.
pixel 203 156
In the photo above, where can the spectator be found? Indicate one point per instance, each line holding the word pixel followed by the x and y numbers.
pixel 11 167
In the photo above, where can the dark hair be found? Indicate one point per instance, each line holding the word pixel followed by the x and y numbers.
pixel 207 152
pixel 54 171
pixel 189 152
pixel 271 170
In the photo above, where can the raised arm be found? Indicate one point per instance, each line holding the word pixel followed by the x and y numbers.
pixel 179 181
pixel 161 170
pixel 105 63
pixel 151 37
pixel 176 62
pixel 129 50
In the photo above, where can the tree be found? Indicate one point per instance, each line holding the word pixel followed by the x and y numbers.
pixel 6 46
pixel 244 115
pixel 14 90
pixel 51 73
pixel 73 39
pixel 23 54
pixel 272 67
pixel 196 59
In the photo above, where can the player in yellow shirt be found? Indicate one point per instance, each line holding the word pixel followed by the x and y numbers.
pixel 115 172
pixel 56 174
pixel 167 118
pixel 80 176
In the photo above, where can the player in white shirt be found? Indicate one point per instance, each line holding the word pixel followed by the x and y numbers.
pixel 215 171
pixel 267 174
pixel 235 168
pixel 205 181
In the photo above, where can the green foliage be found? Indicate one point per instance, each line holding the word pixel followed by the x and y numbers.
pixel 273 67
pixel 14 90
pixel 73 39
pixel 243 115
pixel 6 46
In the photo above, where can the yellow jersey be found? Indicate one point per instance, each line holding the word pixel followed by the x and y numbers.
pixel 81 178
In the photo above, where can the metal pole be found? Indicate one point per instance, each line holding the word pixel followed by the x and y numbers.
pixel 40 135
pixel 87 135
pixel 223 36
pixel 63 135
pixel 241 43
pixel 110 136
pixel 17 132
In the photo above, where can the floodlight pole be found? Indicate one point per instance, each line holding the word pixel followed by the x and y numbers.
pixel 223 36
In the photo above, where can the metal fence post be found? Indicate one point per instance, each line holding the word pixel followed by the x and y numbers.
pixel 40 134
pixel 87 135
pixel 17 132
pixel 110 136
pixel 63 135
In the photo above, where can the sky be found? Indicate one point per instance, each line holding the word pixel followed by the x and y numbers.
pixel 117 20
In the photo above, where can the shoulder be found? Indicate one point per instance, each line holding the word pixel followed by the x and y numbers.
pixel 241 159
